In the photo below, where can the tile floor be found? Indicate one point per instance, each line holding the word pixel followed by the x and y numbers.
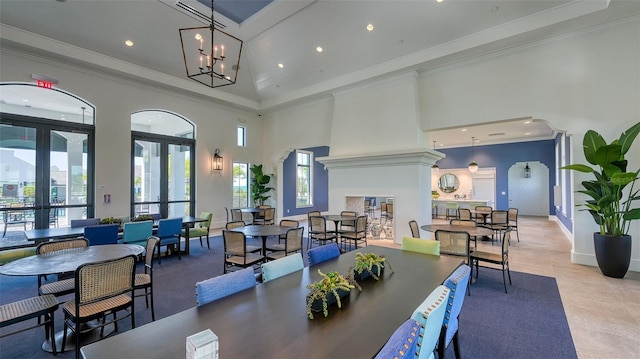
pixel 603 313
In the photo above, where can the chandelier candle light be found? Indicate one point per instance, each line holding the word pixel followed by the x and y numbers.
pixel 211 56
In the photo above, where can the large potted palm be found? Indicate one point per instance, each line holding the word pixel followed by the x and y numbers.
pixel 612 194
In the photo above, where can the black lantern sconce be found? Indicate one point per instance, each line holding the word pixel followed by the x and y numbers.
pixel 216 161
pixel 527 171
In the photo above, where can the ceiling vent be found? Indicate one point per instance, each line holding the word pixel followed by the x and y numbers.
pixel 496 134
pixel 190 10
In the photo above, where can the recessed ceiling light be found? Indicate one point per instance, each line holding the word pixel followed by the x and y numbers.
pixel 495 8
pixel 128 43
pixel 280 65
pixel 527 122
pixel 370 27
pixel 319 49
pixel 198 36
pixel 25 100
pixel 464 130
pixel 527 133
pixel 439 0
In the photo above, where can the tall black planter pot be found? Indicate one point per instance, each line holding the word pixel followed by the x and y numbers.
pixel 613 254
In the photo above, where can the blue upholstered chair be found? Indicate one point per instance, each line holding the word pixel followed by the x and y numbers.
pixel 323 253
pixel 76 223
pixel 430 315
pixel 137 232
pixel 169 231
pixel 402 343
pixel 426 246
pixel 221 286
pixel 280 267
pixel 457 283
pixel 102 234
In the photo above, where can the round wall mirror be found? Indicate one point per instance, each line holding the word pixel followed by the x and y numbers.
pixel 448 183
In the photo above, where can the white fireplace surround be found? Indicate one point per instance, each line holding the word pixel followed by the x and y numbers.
pixel 404 175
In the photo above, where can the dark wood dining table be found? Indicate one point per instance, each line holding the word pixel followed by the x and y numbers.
pixel 264 231
pixel 45 234
pixel 68 260
pixel 270 320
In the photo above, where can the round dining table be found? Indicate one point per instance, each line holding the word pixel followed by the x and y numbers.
pixel 473 231
pixel 68 260
pixel 263 231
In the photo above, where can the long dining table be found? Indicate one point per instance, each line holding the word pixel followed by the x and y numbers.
pixel 46 234
pixel 270 320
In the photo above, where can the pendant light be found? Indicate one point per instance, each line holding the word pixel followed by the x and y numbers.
pixel 473 166
pixel 435 166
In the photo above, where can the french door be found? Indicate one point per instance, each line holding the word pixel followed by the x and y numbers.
pixel 47 172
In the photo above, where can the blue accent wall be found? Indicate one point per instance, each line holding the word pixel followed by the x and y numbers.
pixel 320 184
pixel 502 157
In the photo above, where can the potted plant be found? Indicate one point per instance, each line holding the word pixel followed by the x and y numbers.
pixel 112 220
pixel 435 194
pixel 143 217
pixel 612 194
pixel 259 182
pixel 328 290
pixel 370 265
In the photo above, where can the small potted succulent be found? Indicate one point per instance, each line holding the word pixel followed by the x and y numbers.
pixel 328 290
pixel 370 265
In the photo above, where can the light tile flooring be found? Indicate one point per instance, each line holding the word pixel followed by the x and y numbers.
pixel 603 313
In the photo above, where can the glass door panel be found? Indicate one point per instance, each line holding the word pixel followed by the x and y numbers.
pixel 179 180
pixel 17 178
pixel 68 176
pixel 147 177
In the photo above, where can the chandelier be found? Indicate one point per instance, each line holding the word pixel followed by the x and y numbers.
pixel 473 166
pixel 211 56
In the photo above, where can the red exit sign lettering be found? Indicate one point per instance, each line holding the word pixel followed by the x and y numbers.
pixel 45 84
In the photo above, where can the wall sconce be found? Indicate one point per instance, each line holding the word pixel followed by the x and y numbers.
pixel 216 161
pixel 527 171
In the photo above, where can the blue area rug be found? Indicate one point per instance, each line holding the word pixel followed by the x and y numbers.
pixel 528 322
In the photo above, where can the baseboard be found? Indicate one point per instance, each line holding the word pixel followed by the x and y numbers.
pixel 590 260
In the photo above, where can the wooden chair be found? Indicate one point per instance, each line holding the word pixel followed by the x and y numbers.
pixel 63 286
pixel 469 223
pixel 292 244
pixel 415 230
pixel 499 222
pixel 236 214
pixel 359 234
pixel 348 226
pixel 102 288
pixel 201 229
pixel 39 307
pixel 287 223
pixel 464 213
pixel 224 285
pixel 169 231
pixel 281 267
pixel 501 259
pixel 269 216
pixel 453 243
pixel 318 231
pixel 144 281
pixel 236 251
pixel 513 221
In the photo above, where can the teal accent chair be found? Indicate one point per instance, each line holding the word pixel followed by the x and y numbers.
pixel 281 267
pixel 458 282
pixel 137 232
pixel 224 285
pixel 430 315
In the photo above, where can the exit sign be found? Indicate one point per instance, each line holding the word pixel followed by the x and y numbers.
pixel 45 84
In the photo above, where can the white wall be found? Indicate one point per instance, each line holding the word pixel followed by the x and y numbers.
pixel 115 100
pixel 590 80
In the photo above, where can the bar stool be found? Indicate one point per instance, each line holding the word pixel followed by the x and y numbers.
pixel 452 210
pixel 434 210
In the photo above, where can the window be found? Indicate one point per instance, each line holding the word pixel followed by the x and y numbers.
pixel 240 185
pixel 304 174
pixel 242 136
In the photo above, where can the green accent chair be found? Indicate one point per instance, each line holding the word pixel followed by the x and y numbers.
pixel 426 246
pixel 200 229
pixel 11 255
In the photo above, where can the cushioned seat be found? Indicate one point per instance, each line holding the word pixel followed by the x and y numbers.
pixel 221 286
pixel 430 315
pixel 323 253
pixel 36 307
pixel 457 282
pixel 280 267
